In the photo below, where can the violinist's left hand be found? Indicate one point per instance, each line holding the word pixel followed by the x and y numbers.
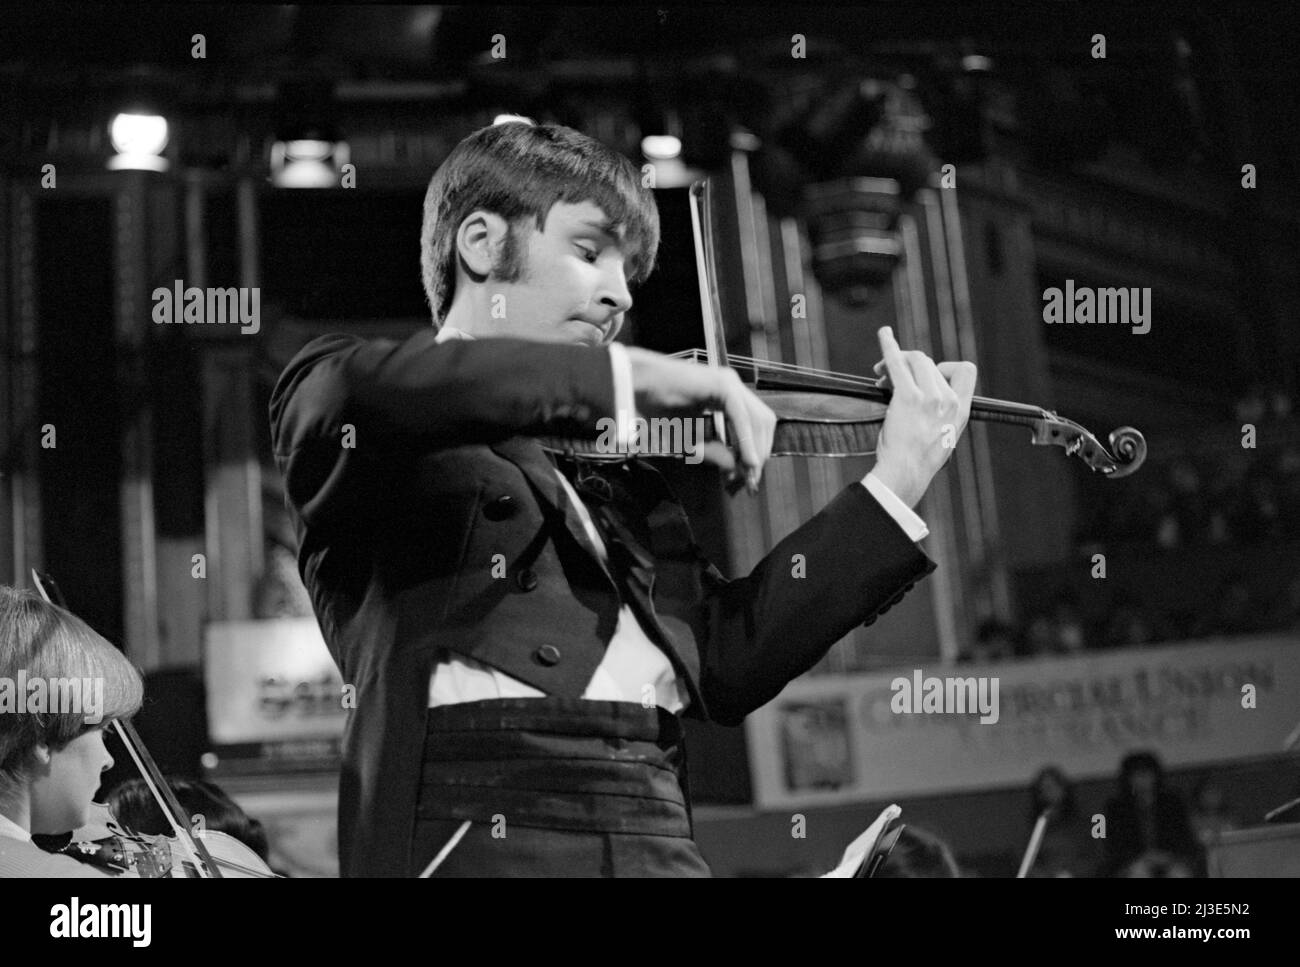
pixel 926 417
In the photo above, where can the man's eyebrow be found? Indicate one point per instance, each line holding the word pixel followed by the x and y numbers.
pixel 605 227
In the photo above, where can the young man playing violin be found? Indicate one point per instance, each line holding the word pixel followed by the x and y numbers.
pixel 522 653
pixel 51 758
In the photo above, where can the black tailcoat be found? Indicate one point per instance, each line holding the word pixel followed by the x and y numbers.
pixel 415 482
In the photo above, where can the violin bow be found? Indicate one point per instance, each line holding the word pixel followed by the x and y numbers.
pixel 710 302
pixel 163 795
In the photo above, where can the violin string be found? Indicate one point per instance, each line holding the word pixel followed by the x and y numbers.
pixel 849 379
pixel 1015 412
pixel 782 367
pixel 845 379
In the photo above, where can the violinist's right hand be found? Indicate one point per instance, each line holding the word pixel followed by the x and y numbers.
pixel 664 386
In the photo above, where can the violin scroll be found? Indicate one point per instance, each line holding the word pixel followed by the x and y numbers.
pixel 1128 448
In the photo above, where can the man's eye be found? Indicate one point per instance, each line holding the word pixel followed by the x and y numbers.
pixel 590 254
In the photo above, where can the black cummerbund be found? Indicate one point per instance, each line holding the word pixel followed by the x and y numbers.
pixel 555 763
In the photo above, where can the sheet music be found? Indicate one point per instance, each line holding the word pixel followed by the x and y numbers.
pixel 861 848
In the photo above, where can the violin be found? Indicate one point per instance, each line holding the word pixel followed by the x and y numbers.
pixel 827 414
pixel 107 844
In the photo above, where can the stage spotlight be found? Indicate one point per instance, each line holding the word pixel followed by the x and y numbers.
pixel 139 140
pixel 307 163
pixel 661 147
pixel 664 153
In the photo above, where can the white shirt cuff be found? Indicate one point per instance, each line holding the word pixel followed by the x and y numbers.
pixel 624 395
pixel 903 515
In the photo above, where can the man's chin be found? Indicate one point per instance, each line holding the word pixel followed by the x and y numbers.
pixel 586 334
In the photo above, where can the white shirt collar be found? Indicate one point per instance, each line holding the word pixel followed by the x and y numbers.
pixel 12 830
pixel 451 332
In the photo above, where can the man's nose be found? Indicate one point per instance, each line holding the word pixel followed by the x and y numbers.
pixel 109 764
pixel 614 293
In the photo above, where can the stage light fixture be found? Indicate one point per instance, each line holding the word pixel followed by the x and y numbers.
pixel 661 147
pixel 307 162
pixel 139 140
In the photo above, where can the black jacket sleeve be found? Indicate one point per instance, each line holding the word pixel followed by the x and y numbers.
pixel 346 407
pixel 768 628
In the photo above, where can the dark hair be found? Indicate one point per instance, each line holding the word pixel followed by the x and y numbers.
pixel 1142 761
pixel 135 808
pixel 919 854
pixel 1065 810
pixel 45 642
pixel 519 170
pixel 1135 762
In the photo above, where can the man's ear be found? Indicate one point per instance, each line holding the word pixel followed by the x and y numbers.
pixel 41 754
pixel 479 239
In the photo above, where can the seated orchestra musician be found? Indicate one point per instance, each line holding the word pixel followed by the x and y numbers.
pixel 51 759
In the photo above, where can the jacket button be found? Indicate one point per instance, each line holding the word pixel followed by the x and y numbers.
pixel 501 508
pixel 547 655
pixel 526 579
